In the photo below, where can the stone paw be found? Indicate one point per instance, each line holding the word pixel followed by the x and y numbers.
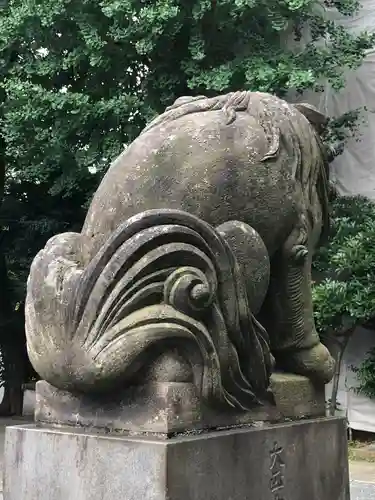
pixel 316 363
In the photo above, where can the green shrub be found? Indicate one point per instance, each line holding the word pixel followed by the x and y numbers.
pixel 344 286
pixel 366 375
pixel 344 270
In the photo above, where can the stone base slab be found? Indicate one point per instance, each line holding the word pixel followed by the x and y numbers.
pixel 304 460
pixel 169 408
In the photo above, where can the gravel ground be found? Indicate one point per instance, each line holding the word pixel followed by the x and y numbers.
pixel 362 491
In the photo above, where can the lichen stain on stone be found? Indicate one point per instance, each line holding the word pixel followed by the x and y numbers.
pixel 212 164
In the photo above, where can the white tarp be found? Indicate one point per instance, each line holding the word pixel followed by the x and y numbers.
pixel 354 173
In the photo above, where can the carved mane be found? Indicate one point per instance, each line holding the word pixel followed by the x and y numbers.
pixel 257 104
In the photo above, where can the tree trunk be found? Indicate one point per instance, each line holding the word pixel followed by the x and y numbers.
pixel 11 339
pixel 338 354
pixel 11 349
pixel 12 403
pixel 12 342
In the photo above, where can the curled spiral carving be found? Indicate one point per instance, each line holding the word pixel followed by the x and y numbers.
pixel 163 279
pixel 188 290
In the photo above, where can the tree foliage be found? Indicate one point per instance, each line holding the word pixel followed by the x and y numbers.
pixel 344 293
pixel 345 297
pixel 80 78
pixel 366 375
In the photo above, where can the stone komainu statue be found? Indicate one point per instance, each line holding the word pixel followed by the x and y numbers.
pixel 194 260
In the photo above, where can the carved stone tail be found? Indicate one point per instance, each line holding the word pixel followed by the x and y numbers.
pixel 164 280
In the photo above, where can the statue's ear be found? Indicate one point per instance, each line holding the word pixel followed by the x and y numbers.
pixel 315 117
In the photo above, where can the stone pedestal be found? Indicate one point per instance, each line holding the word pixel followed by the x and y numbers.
pixel 170 408
pixel 303 460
